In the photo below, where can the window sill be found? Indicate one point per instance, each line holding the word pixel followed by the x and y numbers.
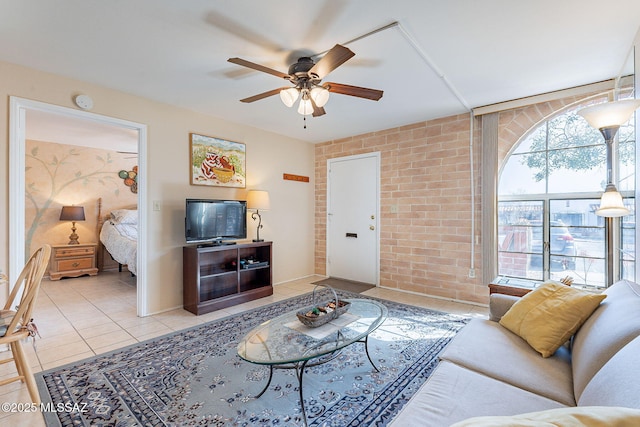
pixel 519 287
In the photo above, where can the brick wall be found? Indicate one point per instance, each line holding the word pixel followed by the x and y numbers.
pixel 425 170
pixel 514 124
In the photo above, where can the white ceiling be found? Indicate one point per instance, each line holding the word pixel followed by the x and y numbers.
pixel 442 58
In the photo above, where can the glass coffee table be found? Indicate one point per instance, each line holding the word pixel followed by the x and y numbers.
pixel 284 342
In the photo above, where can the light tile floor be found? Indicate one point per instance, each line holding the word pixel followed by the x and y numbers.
pixel 83 317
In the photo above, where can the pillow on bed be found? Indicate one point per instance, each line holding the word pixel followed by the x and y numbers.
pixel 125 216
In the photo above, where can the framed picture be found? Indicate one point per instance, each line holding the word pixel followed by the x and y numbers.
pixel 217 162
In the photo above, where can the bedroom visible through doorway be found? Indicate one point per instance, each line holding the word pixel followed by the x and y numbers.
pixel 81 137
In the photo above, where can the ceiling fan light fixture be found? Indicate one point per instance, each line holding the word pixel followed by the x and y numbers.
pixel 289 96
pixel 320 95
pixel 305 108
pixel 305 76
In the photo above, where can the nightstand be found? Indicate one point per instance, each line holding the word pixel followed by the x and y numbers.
pixel 73 260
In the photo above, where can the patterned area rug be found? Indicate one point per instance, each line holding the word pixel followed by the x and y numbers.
pixel 194 377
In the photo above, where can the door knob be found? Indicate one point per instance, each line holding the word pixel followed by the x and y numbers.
pixel 371 227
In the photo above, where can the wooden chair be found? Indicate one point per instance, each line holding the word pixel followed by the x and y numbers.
pixel 16 315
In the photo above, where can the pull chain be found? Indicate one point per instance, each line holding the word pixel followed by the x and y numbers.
pixel 304 118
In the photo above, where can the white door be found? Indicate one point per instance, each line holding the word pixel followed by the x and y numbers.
pixel 352 218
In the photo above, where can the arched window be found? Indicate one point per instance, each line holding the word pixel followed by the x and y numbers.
pixel 549 188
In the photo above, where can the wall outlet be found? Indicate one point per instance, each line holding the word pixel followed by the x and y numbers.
pixel 472 273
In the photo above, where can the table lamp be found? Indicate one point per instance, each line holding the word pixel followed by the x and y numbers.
pixel 73 214
pixel 258 199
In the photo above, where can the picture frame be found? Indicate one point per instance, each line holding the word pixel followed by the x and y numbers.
pixel 217 162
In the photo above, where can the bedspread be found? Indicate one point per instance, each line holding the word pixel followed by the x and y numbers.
pixel 121 240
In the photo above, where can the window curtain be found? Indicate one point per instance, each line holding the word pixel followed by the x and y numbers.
pixel 489 196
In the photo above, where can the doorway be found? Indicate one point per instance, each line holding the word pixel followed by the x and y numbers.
pixel 353 199
pixel 17 147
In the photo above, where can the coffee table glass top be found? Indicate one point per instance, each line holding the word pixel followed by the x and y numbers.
pixel 285 339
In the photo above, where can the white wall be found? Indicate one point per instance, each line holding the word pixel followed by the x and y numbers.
pixel 289 223
pixel 636 82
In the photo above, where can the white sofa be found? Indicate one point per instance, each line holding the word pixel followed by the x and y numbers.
pixel 487 370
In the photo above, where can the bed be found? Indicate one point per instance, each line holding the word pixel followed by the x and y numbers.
pixel 119 236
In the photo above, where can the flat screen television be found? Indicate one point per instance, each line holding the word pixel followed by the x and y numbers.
pixel 214 221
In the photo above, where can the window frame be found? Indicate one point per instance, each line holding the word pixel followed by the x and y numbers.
pixel 614 225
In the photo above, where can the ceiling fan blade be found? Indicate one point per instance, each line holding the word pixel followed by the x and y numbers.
pixel 336 56
pixel 238 29
pixel 263 95
pixel 258 67
pixel 319 26
pixel 317 111
pixel 360 92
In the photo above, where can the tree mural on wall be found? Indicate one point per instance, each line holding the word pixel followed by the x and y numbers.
pixel 60 172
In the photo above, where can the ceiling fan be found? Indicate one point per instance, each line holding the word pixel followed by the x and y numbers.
pixel 306 76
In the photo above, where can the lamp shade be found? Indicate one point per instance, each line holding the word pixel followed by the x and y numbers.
pixel 258 199
pixel 611 203
pixel 289 96
pixel 320 95
pixel 305 108
pixel 610 114
pixel 72 213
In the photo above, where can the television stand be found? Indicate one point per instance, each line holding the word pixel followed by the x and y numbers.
pixel 216 276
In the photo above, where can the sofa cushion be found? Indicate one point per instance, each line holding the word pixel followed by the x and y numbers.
pixel 488 348
pixel 499 304
pixel 614 324
pixel 453 393
pixel 617 383
pixel 593 416
pixel 548 316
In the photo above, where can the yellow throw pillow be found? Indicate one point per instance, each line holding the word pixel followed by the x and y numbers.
pixel 549 315
pixel 592 416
